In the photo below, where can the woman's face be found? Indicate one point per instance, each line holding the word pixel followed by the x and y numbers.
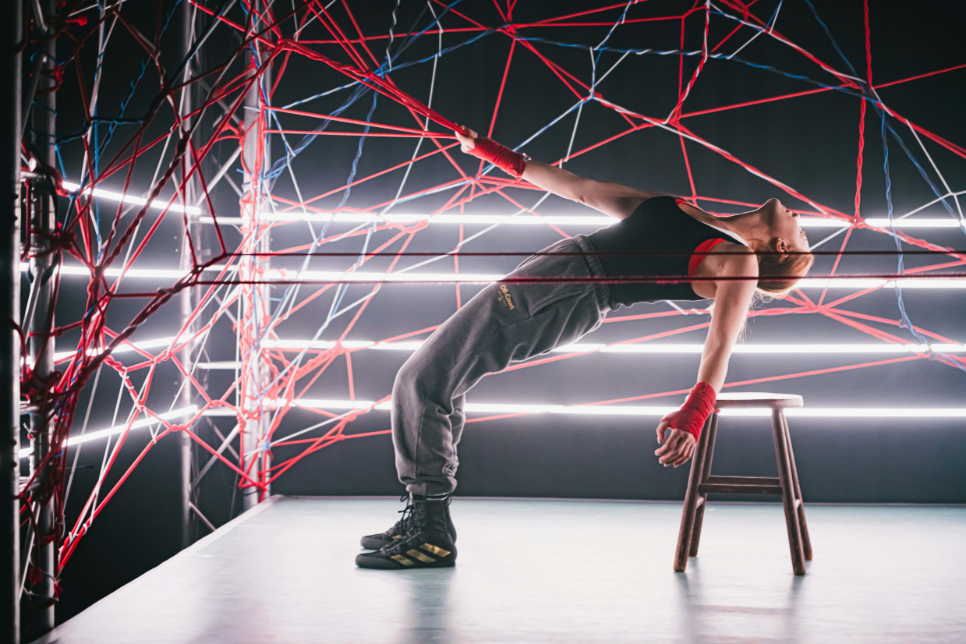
pixel 784 224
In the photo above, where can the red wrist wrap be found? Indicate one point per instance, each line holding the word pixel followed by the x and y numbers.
pixel 695 411
pixel 502 157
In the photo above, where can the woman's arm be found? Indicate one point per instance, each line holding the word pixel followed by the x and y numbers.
pixel 732 299
pixel 609 198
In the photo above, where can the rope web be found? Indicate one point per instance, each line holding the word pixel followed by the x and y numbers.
pixel 240 286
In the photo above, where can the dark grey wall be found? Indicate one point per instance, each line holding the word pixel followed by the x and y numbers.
pixel 856 462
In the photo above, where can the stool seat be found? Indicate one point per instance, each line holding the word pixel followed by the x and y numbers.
pixel 758 400
pixel 701 482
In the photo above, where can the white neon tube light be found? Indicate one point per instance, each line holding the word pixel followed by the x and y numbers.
pixel 906 282
pixel 124 348
pixel 489 219
pixel 596 221
pixel 117 429
pixel 110 195
pixel 487 278
pixel 645 410
pixel 152 273
pixel 393 218
pixel 916 223
pixel 647 347
pixel 285 275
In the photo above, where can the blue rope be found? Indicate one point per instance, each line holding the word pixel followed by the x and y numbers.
pixel 360 90
pixel 904 321
pixel 943 198
pixel 120 119
pixel 344 288
pixel 325 93
pixel 831 39
pixel 600 48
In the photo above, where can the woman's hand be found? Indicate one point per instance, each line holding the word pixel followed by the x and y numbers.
pixel 467 139
pixel 678 448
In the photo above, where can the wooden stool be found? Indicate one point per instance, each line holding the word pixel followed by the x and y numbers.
pixel 702 482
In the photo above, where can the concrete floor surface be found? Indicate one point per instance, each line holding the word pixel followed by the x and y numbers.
pixel 551 571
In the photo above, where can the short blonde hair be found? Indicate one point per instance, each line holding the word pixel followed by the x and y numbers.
pixel 781 271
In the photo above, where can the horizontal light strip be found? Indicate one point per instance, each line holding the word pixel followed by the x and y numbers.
pixel 577 347
pixel 914 223
pixel 152 273
pixel 366 276
pixel 124 348
pixel 487 278
pixel 906 282
pixel 646 347
pixel 220 411
pixel 110 195
pixel 356 217
pixel 584 410
pixel 117 429
pixel 514 220
pixel 646 410
pixel 229 365
pixel 535 220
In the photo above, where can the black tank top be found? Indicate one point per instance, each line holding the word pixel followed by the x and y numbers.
pixel 632 248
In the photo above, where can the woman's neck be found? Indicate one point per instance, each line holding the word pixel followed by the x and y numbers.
pixel 749 226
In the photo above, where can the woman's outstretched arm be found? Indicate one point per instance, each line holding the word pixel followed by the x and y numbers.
pixel 609 198
pixel 732 299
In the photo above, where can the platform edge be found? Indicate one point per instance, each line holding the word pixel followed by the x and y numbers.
pixel 53 636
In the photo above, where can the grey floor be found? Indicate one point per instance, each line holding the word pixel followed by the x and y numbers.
pixel 552 571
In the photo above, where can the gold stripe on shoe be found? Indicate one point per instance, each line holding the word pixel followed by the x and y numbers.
pixel 404 560
pixel 416 554
pixel 436 550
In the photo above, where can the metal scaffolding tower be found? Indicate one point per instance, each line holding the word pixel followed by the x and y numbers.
pixel 10 96
pixel 39 314
pixel 191 234
pixel 256 303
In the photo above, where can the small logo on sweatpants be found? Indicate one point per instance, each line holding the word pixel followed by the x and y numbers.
pixel 505 297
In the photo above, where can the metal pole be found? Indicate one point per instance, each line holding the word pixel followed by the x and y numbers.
pixel 191 234
pixel 12 26
pixel 256 306
pixel 41 346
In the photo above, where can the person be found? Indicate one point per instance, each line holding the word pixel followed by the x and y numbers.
pixel 559 295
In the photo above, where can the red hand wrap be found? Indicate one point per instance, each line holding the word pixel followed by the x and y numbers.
pixel 695 411
pixel 502 157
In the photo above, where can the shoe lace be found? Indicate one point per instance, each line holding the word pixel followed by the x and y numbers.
pixel 401 545
pixel 408 520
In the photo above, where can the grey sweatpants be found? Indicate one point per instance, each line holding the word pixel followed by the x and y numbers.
pixel 504 323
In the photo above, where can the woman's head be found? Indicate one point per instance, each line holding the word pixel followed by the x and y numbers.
pixel 783 257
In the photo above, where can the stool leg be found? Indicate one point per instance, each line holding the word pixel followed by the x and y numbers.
pixel 788 495
pixel 705 473
pixel 691 501
pixel 806 542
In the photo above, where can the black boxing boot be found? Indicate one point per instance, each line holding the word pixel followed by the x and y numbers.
pixel 428 545
pixel 399 530
pixel 402 528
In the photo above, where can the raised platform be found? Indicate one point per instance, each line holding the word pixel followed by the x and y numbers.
pixel 551 571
